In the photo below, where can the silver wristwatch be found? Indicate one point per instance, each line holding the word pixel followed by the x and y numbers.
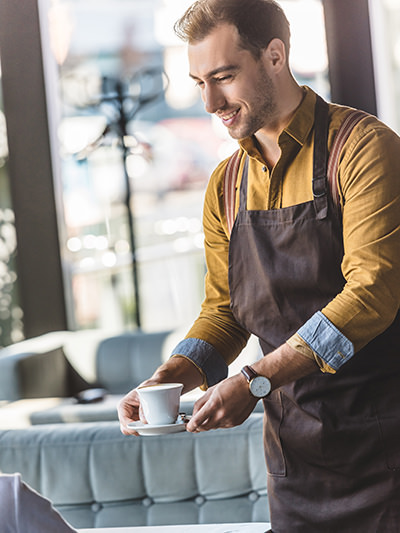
pixel 259 386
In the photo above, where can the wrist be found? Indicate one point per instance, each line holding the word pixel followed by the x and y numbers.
pixel 179 369
pixel 259 386
pixel 284 365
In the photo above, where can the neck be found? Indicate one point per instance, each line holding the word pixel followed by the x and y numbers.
pixel 290 97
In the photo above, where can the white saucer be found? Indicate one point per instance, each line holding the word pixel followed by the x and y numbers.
pixel 148 429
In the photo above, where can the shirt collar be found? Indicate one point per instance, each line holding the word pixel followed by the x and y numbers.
pixel 298 128
pixel 303 120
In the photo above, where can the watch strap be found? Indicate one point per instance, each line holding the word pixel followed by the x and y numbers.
pixel 249 373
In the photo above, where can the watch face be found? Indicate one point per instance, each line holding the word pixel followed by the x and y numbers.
pixel 260 386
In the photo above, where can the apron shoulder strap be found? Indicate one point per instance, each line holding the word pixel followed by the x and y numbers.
pixel 230 178
pixel 333 161
pixel 232 167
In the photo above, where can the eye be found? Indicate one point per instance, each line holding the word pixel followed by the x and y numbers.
pixel 222 79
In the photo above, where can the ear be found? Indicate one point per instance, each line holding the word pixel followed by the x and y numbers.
pixel 275 55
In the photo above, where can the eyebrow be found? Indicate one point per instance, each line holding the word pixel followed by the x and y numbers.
pixel 216 71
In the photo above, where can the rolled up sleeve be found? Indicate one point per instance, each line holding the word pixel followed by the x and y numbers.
pixel 205 357
pixel 326 341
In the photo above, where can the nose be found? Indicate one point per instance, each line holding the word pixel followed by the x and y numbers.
pixel 213 98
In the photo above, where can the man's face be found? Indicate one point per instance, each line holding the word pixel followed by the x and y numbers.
pixel 234 85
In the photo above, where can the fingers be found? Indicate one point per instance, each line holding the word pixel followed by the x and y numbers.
pixel 128 411
pixel 228 404
pixel 202 411
pixel 198 423
pixel 206 415
pixel 202 400
pixel 128 431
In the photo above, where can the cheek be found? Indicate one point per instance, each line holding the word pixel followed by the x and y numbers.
pixel 243 92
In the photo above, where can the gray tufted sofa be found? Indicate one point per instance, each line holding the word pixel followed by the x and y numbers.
pixel 40 377
pixel 76 456
pixel 62 363
pixel 97 477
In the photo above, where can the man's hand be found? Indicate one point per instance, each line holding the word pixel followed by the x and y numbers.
pixel 224 405
pixel 230 402
pixel 175 370
pixel 129 409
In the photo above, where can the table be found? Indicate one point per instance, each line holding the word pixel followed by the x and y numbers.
pixel 252 527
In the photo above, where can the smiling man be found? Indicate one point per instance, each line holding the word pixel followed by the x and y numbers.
pixel 225 90
pixel 311 267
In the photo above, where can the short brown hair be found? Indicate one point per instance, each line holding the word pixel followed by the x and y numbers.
pixel 257 21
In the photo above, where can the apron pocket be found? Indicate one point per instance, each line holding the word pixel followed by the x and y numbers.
pixel 386 399
pixel 390 433
pixel 274 457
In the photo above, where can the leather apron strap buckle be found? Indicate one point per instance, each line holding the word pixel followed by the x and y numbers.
pixel 319 188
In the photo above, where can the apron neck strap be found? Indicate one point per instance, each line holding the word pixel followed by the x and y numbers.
pixel 320 164
pixel 243 185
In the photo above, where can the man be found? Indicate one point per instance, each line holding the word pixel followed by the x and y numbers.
pixel 319 285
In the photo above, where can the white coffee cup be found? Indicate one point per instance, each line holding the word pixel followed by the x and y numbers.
pixel 160 403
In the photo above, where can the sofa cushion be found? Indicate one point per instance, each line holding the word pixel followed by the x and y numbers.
pixel 93 466
pixel 68 410
pixel 251 508
pixel 33 375
pixel 124 361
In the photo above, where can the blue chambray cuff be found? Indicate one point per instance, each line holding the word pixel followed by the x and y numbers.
pixel 205 356
pixel 326 340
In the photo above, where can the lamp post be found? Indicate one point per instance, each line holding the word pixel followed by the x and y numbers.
pixel 119 101
pixel 121 124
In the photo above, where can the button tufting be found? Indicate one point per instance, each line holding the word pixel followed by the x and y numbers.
pixel 147 502
pixel 96 507
pixel 253 496
pixel 200 500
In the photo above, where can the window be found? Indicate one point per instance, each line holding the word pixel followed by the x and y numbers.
pixel 11 327
pixel 136 151
pixel 385 29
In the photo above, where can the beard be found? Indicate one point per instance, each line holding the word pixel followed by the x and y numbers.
pixel 262 108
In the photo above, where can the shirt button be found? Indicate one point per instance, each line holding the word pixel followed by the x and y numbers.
pixel 264 168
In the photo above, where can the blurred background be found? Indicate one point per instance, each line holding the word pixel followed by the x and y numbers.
pixel 105 151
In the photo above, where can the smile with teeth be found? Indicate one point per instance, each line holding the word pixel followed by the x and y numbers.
pixel 231 115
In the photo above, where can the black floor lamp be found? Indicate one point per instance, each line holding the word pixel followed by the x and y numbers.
pixel 120 101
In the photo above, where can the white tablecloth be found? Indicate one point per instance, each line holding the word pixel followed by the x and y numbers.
pixel 255 527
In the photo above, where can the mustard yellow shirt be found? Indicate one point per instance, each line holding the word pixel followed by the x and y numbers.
pixel 369 188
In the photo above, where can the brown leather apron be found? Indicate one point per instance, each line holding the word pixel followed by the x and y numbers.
pixel 332 441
